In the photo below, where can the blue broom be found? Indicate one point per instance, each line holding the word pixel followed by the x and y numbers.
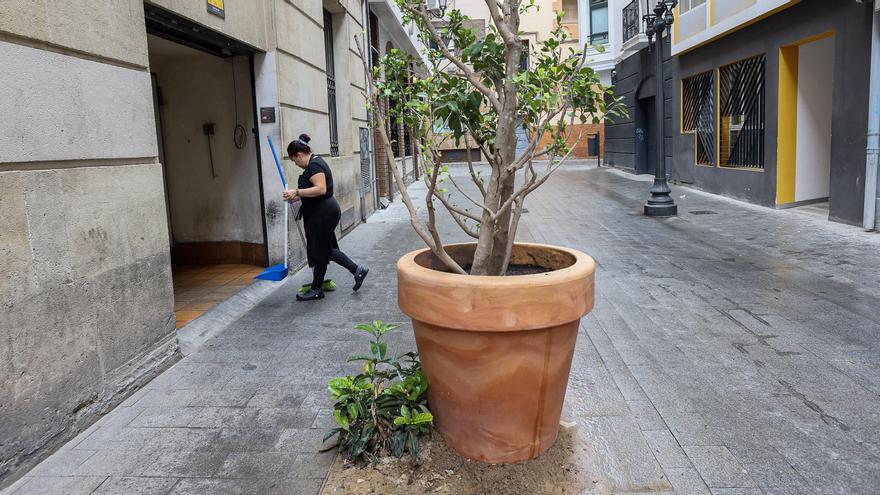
pixel 278 272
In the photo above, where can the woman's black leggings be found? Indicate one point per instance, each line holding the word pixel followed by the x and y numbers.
pixel 320 270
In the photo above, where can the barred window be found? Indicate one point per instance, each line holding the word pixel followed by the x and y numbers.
pixel 741 113
pixel 698 114
pixel 331 83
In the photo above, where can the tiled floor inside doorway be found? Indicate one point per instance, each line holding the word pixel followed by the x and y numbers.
pixel 199 288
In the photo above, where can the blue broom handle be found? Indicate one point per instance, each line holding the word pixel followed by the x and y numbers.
pixel 277 163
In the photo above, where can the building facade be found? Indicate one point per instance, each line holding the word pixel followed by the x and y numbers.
pixel 134 139
pixel 766 101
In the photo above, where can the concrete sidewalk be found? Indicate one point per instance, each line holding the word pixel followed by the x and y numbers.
pixel 732 350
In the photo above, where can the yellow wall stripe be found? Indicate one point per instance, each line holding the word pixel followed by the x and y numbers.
pixel 675 27
pixel 786 153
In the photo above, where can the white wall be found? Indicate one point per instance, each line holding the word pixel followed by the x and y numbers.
pixel 197 88
pixel 815 86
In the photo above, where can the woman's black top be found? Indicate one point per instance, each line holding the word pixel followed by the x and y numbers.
pixel 320 214
pixel 316 165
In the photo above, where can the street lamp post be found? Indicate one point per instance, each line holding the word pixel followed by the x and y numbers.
pixel 660 204
pixel 437 11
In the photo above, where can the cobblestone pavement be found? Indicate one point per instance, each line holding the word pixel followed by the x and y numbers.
pixel 732 350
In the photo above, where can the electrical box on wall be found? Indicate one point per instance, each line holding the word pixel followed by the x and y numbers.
pixel 267 115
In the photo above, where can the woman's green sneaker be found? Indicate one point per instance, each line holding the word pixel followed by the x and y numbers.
pixel 328 286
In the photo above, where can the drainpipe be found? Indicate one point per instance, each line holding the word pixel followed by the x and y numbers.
pixel 872 201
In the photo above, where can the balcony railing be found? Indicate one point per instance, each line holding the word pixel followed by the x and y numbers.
pixel 632 24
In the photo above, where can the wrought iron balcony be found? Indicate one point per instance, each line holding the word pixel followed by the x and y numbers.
pixel 632 22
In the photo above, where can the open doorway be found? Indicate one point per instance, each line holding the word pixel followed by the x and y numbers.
pixel 205 126
pixel 806 89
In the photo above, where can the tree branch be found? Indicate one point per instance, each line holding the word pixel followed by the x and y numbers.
pixel 429 237
pixel 477 180
pixel 467 71
pixel 526 189
pixel 514 222
pixel 467 196
pixel 500 23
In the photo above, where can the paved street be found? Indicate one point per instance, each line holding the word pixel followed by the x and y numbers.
pixel 732 350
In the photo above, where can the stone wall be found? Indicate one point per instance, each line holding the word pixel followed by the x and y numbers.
pixel 86 300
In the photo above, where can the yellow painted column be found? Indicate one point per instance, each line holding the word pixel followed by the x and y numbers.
pixel 786 152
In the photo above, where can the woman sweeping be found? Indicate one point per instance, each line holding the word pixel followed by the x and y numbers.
pixel 320 213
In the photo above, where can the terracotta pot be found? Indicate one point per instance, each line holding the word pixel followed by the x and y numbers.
pixel 497 350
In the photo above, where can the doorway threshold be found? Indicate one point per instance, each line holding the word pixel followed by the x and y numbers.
pixel 221 305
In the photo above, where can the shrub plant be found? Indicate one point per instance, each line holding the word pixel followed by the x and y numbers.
pixel 384 408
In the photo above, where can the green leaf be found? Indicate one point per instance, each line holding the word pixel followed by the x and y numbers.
pixel 414 445
pixel 338 386
pixel 330 434
pixel 398 443
pixel 341 420
pixel 352 410
pixel 422 418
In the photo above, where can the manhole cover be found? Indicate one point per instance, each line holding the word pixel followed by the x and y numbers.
pixel 703 212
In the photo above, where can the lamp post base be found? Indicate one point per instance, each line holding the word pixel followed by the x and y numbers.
pixel 660 204
pixel 661 210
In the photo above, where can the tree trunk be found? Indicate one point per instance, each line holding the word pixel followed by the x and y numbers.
pixel 502 231
pixel 486 241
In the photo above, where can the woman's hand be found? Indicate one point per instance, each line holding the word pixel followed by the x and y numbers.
pixel 290 195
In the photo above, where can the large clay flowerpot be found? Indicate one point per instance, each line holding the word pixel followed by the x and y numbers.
pixel 497 350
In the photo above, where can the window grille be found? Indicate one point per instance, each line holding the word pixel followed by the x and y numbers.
pixel 742 112
pixel 632 21
pixel 698 114
pixel 331 83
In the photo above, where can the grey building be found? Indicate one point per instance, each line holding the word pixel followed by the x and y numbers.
pixel 767 102
pixel 134 139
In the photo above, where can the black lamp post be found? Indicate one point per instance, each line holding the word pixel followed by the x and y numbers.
pixel 660 204
pixel 440 11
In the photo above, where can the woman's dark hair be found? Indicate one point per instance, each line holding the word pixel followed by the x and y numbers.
pixel 299 145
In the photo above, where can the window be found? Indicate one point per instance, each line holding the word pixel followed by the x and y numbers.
pixel 524 60
pixel 374 40
pixel 741 113
pixel 331 83
pixel 698 114
pixel 687 5
pixel 598 22
pixel 569 11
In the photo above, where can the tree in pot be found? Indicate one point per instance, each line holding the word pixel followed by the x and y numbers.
pixel 496 349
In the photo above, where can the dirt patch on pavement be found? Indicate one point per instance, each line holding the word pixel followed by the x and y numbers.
pixel 443 471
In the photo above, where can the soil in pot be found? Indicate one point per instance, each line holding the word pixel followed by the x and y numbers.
pixel 514 270
pixel 560 471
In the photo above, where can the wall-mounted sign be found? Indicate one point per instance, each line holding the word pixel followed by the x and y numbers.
pixel 216 7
